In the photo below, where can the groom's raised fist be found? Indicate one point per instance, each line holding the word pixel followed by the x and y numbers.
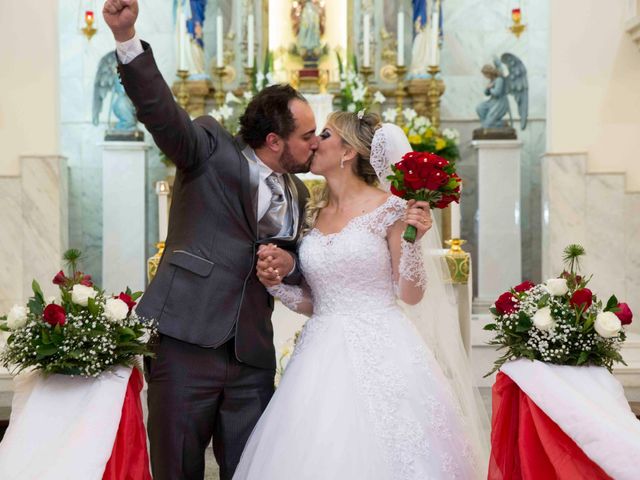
pixel 121 17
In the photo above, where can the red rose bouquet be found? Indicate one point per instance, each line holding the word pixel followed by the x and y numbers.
pixel 425 176
pixel 560 321
pixel 84 332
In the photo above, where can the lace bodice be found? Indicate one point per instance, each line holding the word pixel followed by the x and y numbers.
pixel 352 268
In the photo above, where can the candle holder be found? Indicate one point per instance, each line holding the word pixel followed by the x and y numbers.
pixel 400 93
pixel 435 89
pixel 458 261
pixel 154 261
pixel 183 91
pixel 249 76
pixel 366 73
pixel 220 73
pixel 89 30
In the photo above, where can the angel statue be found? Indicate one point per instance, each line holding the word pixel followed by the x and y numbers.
pixel 107 82
pixel 500 86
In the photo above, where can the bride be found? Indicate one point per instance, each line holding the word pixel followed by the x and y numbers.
pixel 363 396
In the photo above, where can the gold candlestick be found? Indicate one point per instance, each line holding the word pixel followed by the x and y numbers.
pixel 435 89
pixel 249 73
pixel 154 262
pixel 366 73
pixel 183 91
pixel 220 73
pixel 400 93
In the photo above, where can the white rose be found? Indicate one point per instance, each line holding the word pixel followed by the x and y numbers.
pixel 608 325
pixel 80 294
pixel 543 320
pixel 557 286
pixel 115 309
pixel 17 317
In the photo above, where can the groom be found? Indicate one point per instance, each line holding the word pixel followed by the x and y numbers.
pixel 213 372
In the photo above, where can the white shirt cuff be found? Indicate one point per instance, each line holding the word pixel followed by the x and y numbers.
pixel 129 50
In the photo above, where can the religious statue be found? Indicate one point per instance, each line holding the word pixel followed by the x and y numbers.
pixel 190 37
pixel 501 85
pixel 107 82
pixel 308 17
pixel 420 48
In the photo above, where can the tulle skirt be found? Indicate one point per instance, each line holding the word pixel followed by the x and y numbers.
pixel 361 398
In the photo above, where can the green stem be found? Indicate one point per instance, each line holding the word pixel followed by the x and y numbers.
pixel 410 234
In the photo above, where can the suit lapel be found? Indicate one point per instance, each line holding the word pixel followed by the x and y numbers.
pixel 250 178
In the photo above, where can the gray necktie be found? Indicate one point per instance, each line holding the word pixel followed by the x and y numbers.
pixel 276 222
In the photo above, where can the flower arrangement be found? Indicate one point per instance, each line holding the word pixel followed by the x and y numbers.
pixel 83 333
pixel 425 177
pixel 424 137
pixel 354 94
pixel 285 355
pixel 560 321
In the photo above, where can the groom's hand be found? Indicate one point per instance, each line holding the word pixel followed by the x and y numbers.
pixel 121 17
pixel 273 265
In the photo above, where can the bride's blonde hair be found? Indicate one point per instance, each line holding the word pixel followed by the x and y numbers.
pixel 356 133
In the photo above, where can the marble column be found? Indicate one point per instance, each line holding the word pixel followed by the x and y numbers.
pixel 45 225
pixel 499 259
pixel 123 215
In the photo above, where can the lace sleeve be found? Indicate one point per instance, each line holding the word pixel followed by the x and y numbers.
pixel 412 264
pixel 295 297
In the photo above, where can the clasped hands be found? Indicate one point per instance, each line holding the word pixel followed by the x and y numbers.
pixel 273 264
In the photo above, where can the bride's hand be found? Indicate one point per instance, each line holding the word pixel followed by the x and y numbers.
pixel 418 214
pixel 273 265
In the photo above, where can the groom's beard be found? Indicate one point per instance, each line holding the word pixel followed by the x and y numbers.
pixel 289 163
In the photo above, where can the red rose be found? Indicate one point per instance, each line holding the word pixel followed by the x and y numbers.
pixel 506 303
pixel 624 314
pixel 524 286
pixel 581 298
pixel 398 193
pixel 402 166
pixel 436 179
pixel 86 280
pixel 413 180
pixel 436 160
pixel 128 300
pixel 445 201
pixel 60 278
pixel 54 315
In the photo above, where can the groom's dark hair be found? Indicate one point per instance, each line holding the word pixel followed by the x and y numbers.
pixel 269 112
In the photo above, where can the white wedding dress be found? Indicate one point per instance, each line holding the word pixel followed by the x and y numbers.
pixel 362 396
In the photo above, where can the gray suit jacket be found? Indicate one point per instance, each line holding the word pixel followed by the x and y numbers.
pixel 206 290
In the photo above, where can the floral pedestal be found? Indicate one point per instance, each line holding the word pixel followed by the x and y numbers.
pixel 561 422
pixel 65 427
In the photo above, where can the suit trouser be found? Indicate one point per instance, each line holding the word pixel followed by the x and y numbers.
pixel 198 394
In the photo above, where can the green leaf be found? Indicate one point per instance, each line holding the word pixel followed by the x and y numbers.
pixel 584 356
pixel 544 300
pixel 36 306
pixel 524 323
pixel 46 338
pixel 93 308
pixel 46 351
pixel 490 326
pixel 35 286
pixel 612 304
pixel 494 311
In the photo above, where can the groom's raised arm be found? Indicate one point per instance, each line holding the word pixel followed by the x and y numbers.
pixel 185 142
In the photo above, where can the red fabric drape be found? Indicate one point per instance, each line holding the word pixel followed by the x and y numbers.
pixel 527 444
pixel 129 458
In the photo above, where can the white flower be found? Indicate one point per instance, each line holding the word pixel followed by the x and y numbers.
pixel 557 287
pixel 409 114
pixel 260 78
pixel 421 121
pixel 115 309
pixel 226 111
pixel 451 134
pixel 351 76
pixel 378 97
pixel 248 95
pixel 17 317
pixel 80 294
pixel 216 114
pixel 358 94
pixel 231 98
pixel 389 115
pixel 608 325
pixel 351 108
pixel 543 320
pixel 270 79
